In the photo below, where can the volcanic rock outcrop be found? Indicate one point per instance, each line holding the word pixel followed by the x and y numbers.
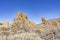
pixel 20 19
pixel 23 29
pixel 44 21
pixel 21 22
pixel 51 22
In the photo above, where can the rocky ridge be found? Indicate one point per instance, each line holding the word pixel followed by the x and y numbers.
pixel 23 29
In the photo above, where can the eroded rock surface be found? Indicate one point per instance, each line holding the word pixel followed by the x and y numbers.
pixel 23 29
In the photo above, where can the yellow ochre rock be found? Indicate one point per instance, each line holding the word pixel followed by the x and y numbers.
pixel 31 23
pixel 44 21
pixel 6 24
pixel 55 23
pixel 19 14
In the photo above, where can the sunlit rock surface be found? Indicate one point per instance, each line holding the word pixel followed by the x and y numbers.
pixel 23 29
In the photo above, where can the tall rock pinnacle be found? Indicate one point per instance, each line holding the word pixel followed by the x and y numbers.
pixel 20 19
pixel 21 16
pixel 43 20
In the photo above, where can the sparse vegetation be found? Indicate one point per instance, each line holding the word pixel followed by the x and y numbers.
pixel 23 29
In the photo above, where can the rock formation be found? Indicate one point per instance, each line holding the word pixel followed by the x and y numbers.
pixel 44 21
pixel 21 22
pixel 31 23
pixel 20 18
pixel 23 29
pixel 55 23
pixel 6 24
pixel 51 22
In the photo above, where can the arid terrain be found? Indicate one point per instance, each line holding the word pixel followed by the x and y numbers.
pixel 23 29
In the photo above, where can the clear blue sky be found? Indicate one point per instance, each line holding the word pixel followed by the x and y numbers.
pixel 34 9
